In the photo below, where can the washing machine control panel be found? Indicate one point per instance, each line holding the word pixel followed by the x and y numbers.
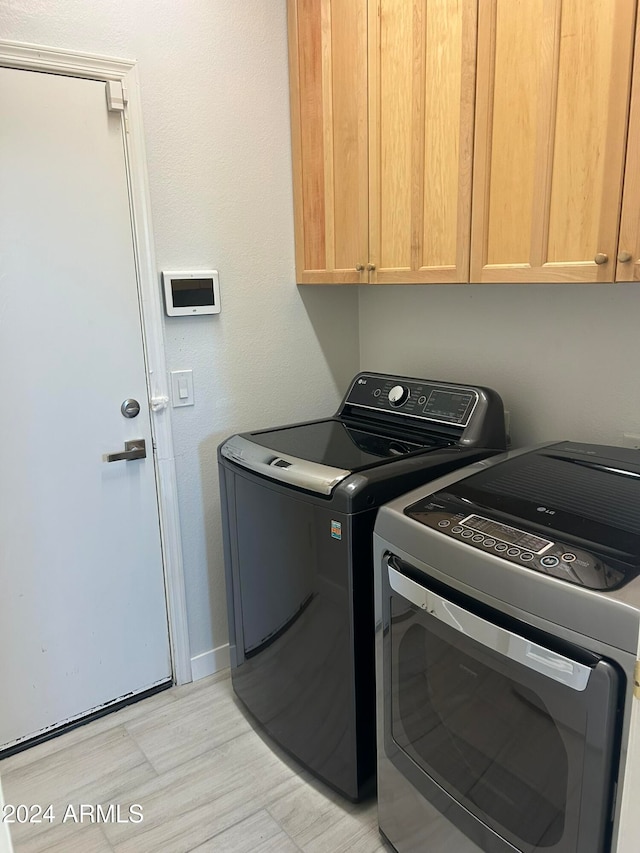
pixel 437 402
pixel 516 545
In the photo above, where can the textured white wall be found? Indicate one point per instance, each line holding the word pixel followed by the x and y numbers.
pixel 563 357
pixel 215 98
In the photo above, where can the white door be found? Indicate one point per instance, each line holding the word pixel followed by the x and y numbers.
pixel 83 617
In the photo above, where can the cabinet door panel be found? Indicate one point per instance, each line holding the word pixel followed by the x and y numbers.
pixel 421 106
pixel 581 171
pixel 628 261
pixel 516 63
pixel 552 101
pixel 328 80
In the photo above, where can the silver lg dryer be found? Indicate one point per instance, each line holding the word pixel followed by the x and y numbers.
pixel 507 635
pixel 298 505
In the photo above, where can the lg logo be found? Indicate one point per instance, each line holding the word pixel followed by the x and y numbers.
pixel 547 511
pixel 362 381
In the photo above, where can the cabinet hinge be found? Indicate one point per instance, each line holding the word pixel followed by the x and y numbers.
pixel 636 680
pixel 116 96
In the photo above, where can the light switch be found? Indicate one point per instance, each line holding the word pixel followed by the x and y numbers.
pixel 182 388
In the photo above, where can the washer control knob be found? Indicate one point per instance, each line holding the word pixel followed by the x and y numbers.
pixel 398 395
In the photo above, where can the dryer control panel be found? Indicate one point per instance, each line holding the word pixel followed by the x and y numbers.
pixel 448 516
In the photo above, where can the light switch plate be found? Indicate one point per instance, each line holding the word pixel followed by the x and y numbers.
pixel 182 388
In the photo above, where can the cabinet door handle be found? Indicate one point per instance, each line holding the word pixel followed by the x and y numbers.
pixel 624 257
pixel 371 267
pixel 601 258
pixel 359 267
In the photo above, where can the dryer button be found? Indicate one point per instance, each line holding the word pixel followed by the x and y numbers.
pixel 549 562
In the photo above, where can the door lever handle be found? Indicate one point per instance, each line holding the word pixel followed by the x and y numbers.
pixel 134 449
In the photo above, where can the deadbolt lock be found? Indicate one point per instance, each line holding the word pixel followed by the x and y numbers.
pixel 130 408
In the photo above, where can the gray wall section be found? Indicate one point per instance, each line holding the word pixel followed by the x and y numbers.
pixel 563 357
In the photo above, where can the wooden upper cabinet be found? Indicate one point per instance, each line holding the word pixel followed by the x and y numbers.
pixel 422 57
pixel 441 141
pixel 551 129
pixel 328 81
pixel 382 103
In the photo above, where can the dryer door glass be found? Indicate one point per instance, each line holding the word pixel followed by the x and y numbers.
pixel 529 755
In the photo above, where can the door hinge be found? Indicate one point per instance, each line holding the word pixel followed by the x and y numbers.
pixel 116 96
pixel 636 680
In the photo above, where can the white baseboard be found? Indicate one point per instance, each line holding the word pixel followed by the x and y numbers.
pixel 210 662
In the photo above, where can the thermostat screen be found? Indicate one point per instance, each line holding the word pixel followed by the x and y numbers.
pixel 188 291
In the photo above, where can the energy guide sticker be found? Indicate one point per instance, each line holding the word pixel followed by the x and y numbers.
pixel 336 529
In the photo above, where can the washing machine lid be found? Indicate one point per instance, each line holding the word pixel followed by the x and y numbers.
pixel 589 492
pixel 320 454
pixel 339 444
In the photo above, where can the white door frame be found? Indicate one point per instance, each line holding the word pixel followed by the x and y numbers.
pixel 36 58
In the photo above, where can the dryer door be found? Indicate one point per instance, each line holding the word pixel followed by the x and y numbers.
pixel 497 723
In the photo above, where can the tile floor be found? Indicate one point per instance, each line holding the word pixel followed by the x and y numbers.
pixel 205 780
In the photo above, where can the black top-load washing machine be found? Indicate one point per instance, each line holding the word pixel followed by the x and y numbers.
pixel 298 505
pixel 507 637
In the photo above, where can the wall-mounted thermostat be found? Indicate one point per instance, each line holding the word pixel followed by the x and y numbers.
pixel 192 292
